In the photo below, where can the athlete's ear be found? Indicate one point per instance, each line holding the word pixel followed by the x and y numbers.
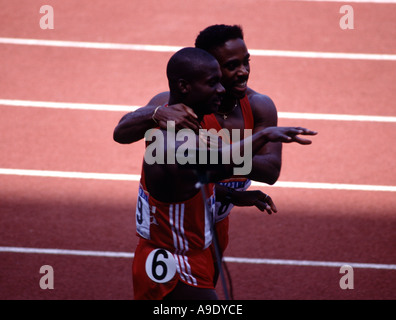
pixel 184 86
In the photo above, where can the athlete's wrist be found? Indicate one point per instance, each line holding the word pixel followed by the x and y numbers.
pixel 155 113
pixel 229 195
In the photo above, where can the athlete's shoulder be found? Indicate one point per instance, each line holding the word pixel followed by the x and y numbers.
pixel 159 99
pixel 263 107
pixel 260 100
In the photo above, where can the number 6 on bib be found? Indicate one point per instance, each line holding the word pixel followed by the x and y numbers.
pixel 160 266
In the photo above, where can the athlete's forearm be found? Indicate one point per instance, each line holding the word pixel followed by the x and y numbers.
pixel 236 159
pixel 133 126
pixel 265 168
pixel 251 146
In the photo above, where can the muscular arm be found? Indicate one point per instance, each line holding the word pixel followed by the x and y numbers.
pixel 176 159
pixel 133 126
pixel 267 162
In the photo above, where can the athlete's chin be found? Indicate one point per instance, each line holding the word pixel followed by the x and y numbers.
pixel 213 109
pixel 239 93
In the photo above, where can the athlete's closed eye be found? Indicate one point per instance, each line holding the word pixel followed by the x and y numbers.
pixel 214 81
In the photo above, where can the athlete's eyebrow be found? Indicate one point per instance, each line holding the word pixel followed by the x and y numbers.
pixel 235 62
pixel 230 63
pixel 213 80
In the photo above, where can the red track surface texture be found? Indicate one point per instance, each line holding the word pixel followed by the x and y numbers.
pixel 97 215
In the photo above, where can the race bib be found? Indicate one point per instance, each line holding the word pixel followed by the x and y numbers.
pixel 143 214
pixel 160 266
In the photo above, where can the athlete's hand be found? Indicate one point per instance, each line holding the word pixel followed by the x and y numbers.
pixel 183 116
pixel 288 134
pixel 254 198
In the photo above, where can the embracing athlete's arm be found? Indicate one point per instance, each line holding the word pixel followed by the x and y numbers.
pixel 176 159
pixel 266 164
pixel 134 125
pixel 226 160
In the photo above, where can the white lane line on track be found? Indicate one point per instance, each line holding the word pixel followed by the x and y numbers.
pixel 135 177
pixel 86 253
pixel 111 254
pixel 67 105
pixel 90 45
pixel 335 117
pixel 327 186
pixel 172 49
pixel 126 108
pixel 71 174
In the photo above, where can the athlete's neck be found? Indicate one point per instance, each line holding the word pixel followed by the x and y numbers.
pixel 227 104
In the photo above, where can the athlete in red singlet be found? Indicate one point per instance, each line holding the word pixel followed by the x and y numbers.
pixel 226 44
pixel 231 53
pixel 174 219
pixel 174 258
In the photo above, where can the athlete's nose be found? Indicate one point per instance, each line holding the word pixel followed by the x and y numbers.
pixel 220 89
pixel 244 70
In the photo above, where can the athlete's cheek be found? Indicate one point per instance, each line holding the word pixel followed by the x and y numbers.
pixel 226 82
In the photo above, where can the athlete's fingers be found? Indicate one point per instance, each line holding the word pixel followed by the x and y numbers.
pixel 189 123
pixel 300 131
pixel 302 140
pixel 190 119
pixel 182 115
pixel 269 204
pixel 293 135
pixel 167 124
pixel 190 111
pixel 305 131
pixel 268 209
pixel 286 138
pixel 261 206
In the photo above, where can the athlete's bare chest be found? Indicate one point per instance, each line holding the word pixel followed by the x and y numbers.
pixel 233 120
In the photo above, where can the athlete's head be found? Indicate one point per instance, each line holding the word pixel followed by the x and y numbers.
pixel 194 79
pixel 217 35
pixel 227 45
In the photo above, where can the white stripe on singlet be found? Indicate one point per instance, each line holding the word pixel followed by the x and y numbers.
pixel 171 222
pixel 176 220
pixel 185 258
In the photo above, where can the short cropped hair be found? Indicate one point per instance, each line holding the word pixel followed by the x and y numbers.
pixel 216 35
pixel 187 64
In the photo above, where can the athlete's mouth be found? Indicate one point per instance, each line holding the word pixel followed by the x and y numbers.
pixel 241 85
